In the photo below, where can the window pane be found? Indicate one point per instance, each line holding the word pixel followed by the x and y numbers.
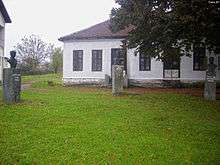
pixel 77 60
pixel 144 63
pixel 96 60
pixel 199 62
pixel 147 64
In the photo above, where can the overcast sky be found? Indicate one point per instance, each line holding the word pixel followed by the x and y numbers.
pixel 51 19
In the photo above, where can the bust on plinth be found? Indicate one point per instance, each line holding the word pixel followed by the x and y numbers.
pixel 11 80
pixel 210 83
pixel 12 61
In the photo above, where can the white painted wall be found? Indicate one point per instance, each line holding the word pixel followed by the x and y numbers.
pixel 87 46
pixel 156 73
pixel 186 69
pixel 1 61
pixel 2 38
pixel 187 72
pixel 2 21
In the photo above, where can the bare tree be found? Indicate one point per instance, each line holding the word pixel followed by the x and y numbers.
pixel 32 51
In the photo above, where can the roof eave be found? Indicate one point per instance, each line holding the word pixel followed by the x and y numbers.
pixel 5 13
pixel 62 39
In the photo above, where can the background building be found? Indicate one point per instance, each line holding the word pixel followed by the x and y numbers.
pixel 89 55
pixel 4 18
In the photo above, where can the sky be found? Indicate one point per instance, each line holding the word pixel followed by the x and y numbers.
pixel 51 19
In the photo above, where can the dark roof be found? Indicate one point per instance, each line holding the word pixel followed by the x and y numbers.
pixel 4 12
pixel 98 31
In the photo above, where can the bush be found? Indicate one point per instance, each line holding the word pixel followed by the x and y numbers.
pixel 38 72
pixel 50 83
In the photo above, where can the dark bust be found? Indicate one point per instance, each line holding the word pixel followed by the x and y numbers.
pixel 12 61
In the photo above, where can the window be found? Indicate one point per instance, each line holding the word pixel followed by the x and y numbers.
pixel 144 63
pixel 96 60
pixel 77 60
pixel 218 62
pixel 199 58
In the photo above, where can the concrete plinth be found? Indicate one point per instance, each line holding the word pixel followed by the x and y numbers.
pixel 125 80
pixel 117 79
pixel 210 89
pixel 11 85
pixel 107 80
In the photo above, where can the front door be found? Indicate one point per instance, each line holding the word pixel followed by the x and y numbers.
pixel 118 57
pixel 171 68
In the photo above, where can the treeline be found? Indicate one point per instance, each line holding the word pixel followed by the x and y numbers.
pixel 38 57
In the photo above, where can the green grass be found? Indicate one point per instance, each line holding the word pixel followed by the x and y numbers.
pixel 42 78
pixel 81 125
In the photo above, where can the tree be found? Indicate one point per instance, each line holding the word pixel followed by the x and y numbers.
pixel 168 28
pixel 32 52
pixel 57 59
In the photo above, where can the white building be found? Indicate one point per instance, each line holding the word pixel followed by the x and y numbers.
pixel 89 55
pixel 4 18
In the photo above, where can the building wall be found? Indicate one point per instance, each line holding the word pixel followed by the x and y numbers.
pixel 187 73
pixel 156 71
pixel 155 75
pixel 2 21
pixel 87 75
pixel 2 38
pixel 1 62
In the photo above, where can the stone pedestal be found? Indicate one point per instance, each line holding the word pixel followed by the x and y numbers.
pixel 210 88
pixel 210 83
pixel 11 85
pixel 125 80
pixel 117 79
pixel 107 80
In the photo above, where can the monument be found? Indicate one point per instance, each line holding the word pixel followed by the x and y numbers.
pixel 210 83
pixel 125 79
pixel 117 79
pixel 11 81
pixel 107 80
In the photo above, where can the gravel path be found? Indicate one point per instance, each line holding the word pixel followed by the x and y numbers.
pixel 25 86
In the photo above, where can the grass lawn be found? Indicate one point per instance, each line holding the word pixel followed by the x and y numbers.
pixel 82 125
